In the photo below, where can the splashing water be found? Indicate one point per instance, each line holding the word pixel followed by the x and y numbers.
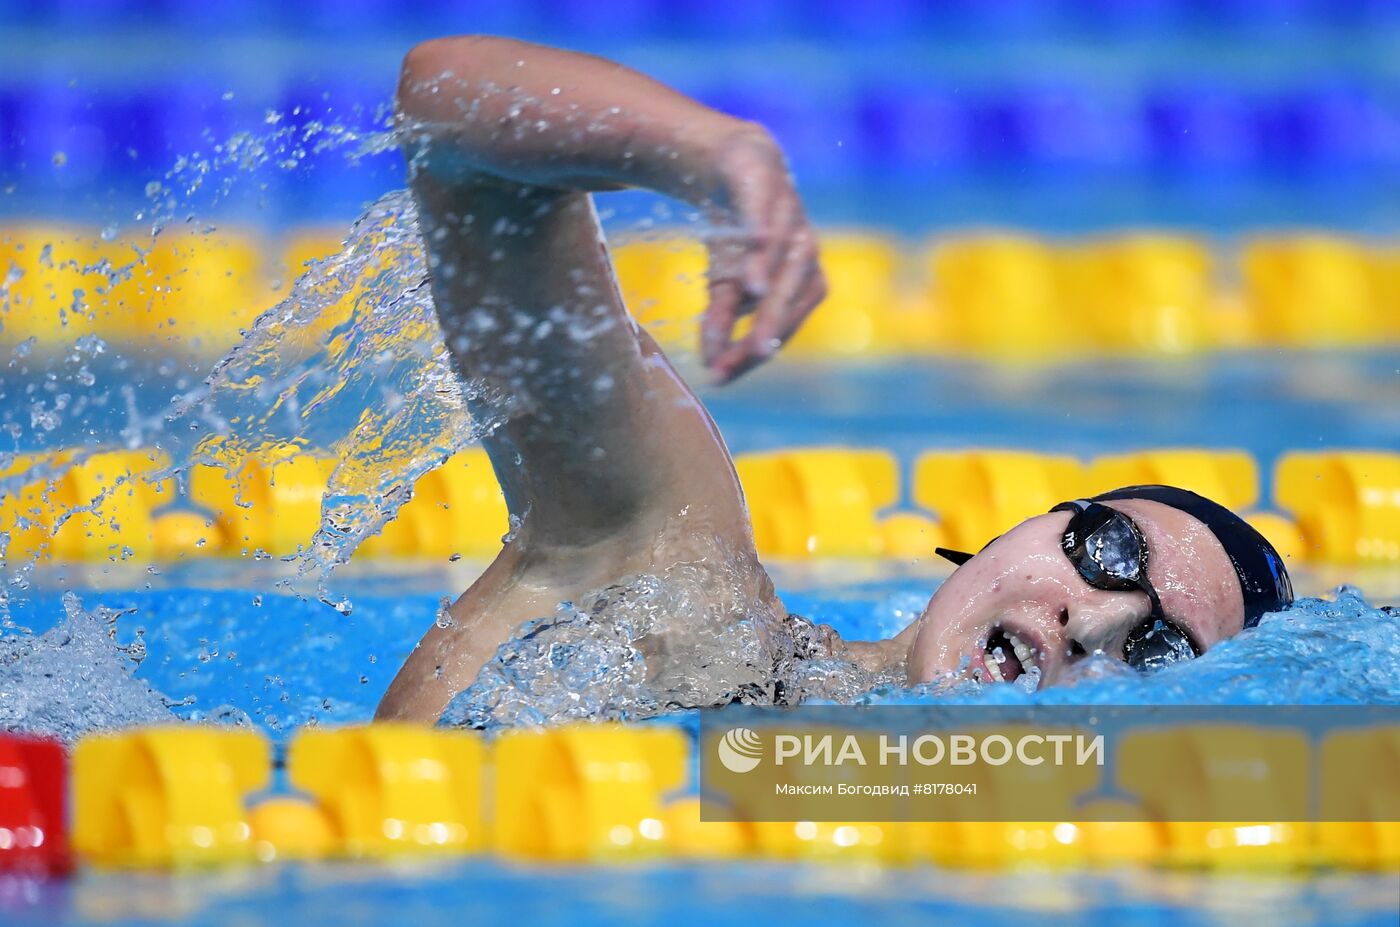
pixel 352 361
pixel 75 678
pixel 1318 652
pixel 357 340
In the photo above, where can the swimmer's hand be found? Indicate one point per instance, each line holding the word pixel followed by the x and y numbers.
pixel 764 261
pixel 480 106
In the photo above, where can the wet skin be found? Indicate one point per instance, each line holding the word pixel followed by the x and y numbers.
pixel 608 462
pixel 1024 584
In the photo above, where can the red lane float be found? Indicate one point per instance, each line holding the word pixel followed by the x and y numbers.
pixel 33 783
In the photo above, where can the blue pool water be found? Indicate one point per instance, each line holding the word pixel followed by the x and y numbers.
pixel 219 641
pixel 489 893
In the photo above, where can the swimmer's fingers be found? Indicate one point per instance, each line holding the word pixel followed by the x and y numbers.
pixel 721 315
pixel 729 297
pixel 799 288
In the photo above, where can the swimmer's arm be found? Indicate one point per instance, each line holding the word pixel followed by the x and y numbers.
pixel 606 458
pixel 546 118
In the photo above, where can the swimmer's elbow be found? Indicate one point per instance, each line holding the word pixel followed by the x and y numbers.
pixel 464 57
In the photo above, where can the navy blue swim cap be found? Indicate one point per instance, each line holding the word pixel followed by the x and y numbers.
pixel 1263 578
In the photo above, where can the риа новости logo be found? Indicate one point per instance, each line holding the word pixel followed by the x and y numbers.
pixel 740 750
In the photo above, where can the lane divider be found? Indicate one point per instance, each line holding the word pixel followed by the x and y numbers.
pixel 33 806
pixel 167 796
pixel 385 790
pixel 585 791
pixel 1327 506
pixel 999 295
pixel 176 797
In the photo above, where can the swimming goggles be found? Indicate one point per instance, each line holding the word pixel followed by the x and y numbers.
pixel 1109 552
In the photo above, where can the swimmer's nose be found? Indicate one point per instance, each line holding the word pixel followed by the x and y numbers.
pixel 1101 621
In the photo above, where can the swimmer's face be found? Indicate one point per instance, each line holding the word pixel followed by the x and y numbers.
pixel 1022 595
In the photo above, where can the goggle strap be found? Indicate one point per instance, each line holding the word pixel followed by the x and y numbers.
pixel 957 557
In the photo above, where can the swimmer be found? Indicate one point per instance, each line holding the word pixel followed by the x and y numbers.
pixel 611 466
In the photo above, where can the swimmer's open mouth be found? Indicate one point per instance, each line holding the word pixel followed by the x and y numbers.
pixel 1007 657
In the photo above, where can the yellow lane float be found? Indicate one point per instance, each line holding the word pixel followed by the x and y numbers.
pixel 818 501
pixel 586 791
pixel 692 838
pixel 1001 295
pixel 205 287
pixel 1229 477
pixel 394 789
pixel 979 494
pixel 167 796
pixel 664 284
pixel 1347 503
pixel 1142 293
pixel 1197 778
pixel 1359 797
pixel 457 508
pixel 27 513
pixel 1313 290
pixel 268 500
pixel 862 271
pixel 104 506
pixel 287 828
